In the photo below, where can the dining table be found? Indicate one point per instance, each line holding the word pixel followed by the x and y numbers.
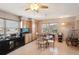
pixel 47 41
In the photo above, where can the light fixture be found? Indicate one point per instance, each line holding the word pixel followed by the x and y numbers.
pixel 34 7
pixel 63 24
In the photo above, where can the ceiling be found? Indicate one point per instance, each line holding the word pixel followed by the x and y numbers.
pixel 55 10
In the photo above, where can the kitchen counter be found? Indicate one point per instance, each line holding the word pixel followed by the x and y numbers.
pixel 10 44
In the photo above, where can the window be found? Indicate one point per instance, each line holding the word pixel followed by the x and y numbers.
pixel 1 28
pixel 8 27
pixel 53 28
pixel 45 28
pixel 12 27
pixel 49 28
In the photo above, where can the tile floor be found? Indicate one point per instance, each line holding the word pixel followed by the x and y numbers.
pixel 59 49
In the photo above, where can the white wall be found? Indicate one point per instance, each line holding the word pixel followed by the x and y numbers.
pixel 69 23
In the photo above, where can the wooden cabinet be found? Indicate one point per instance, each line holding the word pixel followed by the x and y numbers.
pixel 28 38
pixel 27 24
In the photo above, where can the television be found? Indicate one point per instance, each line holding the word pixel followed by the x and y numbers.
pixel 25 30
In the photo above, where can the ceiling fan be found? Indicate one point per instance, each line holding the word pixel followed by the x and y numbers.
pixel 36 7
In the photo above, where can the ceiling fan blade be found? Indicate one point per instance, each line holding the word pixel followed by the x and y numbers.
pixel 27 9
pixel 43 6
